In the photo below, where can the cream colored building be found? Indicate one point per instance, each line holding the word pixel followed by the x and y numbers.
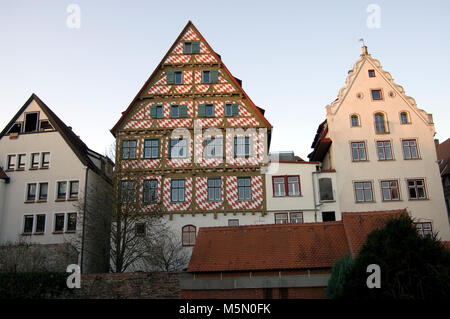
pixel 49 170
pixel 381 146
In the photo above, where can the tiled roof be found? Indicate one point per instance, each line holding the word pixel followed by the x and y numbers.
pixel 358 225
pixel 286 246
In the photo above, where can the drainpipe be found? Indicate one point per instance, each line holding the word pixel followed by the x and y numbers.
pixel 314 191
pixel 84 219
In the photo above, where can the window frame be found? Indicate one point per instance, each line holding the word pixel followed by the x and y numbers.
pixel 55 223
pixel 416 187
pixel 408 118
pixel 320 193
pixel 233 220
pixel 384 150
pixel 358 118
pixel 36 231
pixel 384 121
pixel 291 217
pixel 33 163
pixel 421 231
pixel 286 185
pixel 208 140
pixel 188 229
pixel 214 188
pixel 27 194
pixel 71 192
pixel 409 146
pixel 25 224
pixel 236 145
pixel 45 164
pixel 277 218
pixel 40 196
pixel 371 73
pixel 58 197
pixel 128 148
pixel 136 228
pixel 129 191
pixel 366 159
pixel 67 230
pixel 20 166
pixel 363 192
pixel 151 189
pixel 390 188
pixel 25 122
pixel 186 148
pixel 11 161
pixel 244 178
pixel 151 148
pixel 376 90
pixel 179 189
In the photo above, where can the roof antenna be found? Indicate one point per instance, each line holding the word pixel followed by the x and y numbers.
pixel 364 47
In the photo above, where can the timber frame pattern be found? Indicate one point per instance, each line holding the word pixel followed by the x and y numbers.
pixel 222 90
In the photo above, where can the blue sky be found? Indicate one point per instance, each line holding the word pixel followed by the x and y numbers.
pixel 292 56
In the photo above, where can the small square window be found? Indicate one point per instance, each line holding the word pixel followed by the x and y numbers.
pixel 233 222
pixel 377 95
pixel 140 229
pixel 328 216
pixel 371 73
pixel 281 218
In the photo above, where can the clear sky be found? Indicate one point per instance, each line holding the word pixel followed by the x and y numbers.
pixel 292 56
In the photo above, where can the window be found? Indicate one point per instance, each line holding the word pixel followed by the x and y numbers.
pixel 293 183
pixel 178 148
pixel 46 126
pixel 213 147
pixel 174 111
pixel 127 191
pixel 34 161
pixel 21 162
pixel 214 189
pixel 371 73
pixel 31 192
pixel 210 76
pixel 410 149
pixel 384 150
pixel 11 162
pixel 40 224
pixel 177 190
pixel 71 222
pixel 404 118
pixel 62 190
pixel 150 191
pixel 424 229
pixel 281 218
pixel 231 109
pixel 129 149
pixel 188 235
pixel 151 148
pixel 377 95
pixel 178 77
pixel 16 128
pixel 296 218
pixel 359 151
pixel 244 188
pixel 206 110
pixel 73 191
pixel 390 190
pixel 328 216
pixel 45 160
pixel 191 47
pixel 241 146
pixel 28 224
pixel 233 222
pixel 177 111
pixel 325 189
pixel 43 191
pixel 59 223
pixel 380 123
pixel 279 187
pixel 354 119
pixel 140 229
pixel 363 191
pixel 31 122
pixel 416 189
pixel 156 112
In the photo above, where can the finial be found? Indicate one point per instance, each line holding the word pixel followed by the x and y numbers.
pixel 364 47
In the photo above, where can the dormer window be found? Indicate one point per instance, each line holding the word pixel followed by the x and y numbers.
pixel 31 122
pixel 371 73
pixel 46 126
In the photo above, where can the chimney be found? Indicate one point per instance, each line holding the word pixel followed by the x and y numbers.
pixel 364 50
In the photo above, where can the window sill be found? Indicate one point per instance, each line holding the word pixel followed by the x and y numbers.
pixel 365 202
pixel 41 233
pixel 29 202
pixel 27 234
pixel 412 159
pixel 9 170
pixel 60 200
pixel 418 199
pixel 45 167
pixel 386 160
pixel 33 168
pixel 41 201
pixel 20 169
pixel 328 201
pixel 71 199
pixel 58 232
pixel 71 231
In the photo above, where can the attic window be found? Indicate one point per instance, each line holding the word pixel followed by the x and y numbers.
pixel 46 126
pixel 16 128
pixel 191 47
pixel 31 122
pixel 371 73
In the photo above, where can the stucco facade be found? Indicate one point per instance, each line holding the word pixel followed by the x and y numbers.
pixel 380 142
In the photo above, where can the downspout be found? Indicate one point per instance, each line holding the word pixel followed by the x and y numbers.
pixel 84 219
pixel 314 191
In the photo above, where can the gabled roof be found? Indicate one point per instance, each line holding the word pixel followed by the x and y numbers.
pixel 75 143
pixel 237 82
pixel 285 246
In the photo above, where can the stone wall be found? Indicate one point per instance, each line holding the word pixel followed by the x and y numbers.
pixel 141 285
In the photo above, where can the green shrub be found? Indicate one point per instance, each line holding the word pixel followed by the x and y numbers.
pixel 32 285
pixel 339 275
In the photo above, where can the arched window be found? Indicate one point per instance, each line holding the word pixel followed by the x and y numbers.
pixel 188 235
pixel 404 118
pixel 354 120
pixel 380 123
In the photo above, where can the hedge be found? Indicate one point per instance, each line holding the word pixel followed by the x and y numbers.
pixel 33 285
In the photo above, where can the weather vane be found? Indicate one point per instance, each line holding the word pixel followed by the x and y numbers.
pixel 362 41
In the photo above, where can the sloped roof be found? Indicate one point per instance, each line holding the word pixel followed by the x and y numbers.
pixel 237 82
pixel 443 156
pixel 358 225
pixel 3 174
pixel 75 143
pixel 283 246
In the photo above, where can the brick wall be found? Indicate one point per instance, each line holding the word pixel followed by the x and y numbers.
pixel 293 293
pixel 158 285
